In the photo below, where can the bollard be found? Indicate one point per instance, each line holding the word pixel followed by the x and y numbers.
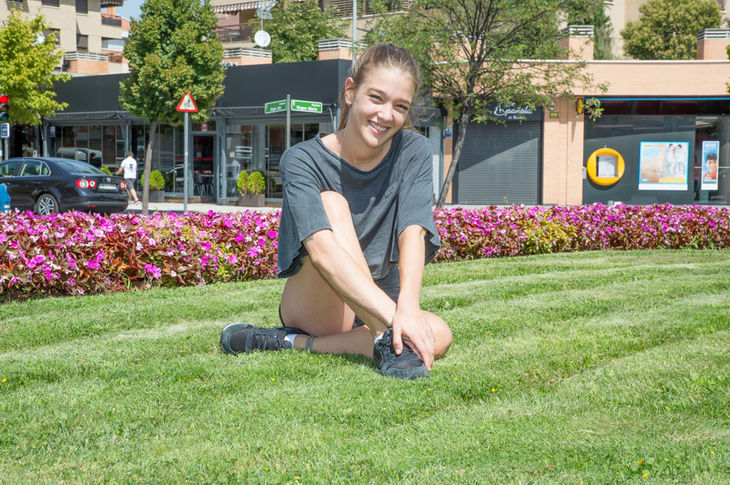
pixel 4 198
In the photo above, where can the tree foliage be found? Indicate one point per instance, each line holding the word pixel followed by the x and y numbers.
pixel 475 54
pixel 27 68
pixel 172 50
pixel 667 29
pixel 296 29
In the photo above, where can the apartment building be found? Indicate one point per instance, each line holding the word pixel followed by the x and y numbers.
pixel 622 12
pixel 89 32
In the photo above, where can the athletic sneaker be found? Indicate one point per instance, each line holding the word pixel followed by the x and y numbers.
pixel 242 337
pixel 407 365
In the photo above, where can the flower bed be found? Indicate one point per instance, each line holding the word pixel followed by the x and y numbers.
pixel 75 253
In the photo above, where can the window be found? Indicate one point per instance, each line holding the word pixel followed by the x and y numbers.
pixel 116 45
pixel 34 168
pixel 50 3
pixel 9 169
pixel 82 6
pixel 82 42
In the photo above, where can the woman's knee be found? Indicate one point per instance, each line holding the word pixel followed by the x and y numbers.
pixel 441 332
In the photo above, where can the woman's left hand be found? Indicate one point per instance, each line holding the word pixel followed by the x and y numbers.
pixel 409 325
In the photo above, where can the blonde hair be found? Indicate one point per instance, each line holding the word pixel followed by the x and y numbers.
pixel 381 55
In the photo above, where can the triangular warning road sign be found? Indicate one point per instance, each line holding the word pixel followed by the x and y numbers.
pixel 187 104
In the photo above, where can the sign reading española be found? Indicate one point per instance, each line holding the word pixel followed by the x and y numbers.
pixel 515 113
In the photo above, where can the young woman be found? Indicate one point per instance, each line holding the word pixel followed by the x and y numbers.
pixel 356 229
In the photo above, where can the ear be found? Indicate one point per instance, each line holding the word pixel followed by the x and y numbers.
pixel 349 90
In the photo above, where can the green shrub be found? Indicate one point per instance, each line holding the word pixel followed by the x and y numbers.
pixel 106 170
pixel 157 181
pixel 242 182
pixel 256 183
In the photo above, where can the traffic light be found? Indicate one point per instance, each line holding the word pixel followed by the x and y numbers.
pixel 4 108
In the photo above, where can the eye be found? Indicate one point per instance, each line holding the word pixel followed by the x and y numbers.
pixel 402 107
pixel 375 97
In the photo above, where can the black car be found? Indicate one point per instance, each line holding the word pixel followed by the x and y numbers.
pixel 50 185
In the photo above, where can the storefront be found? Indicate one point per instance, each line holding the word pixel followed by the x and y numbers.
pixel 500 162
pixel 654 150
pixel 238 136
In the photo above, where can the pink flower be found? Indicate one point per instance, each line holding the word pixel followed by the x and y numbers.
pixel 153 271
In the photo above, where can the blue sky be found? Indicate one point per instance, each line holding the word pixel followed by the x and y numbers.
pixel 130 8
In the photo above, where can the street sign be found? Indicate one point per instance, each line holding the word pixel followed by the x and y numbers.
pixel 306 106
pixel 275 106
pixel 187 104
pixel 5 130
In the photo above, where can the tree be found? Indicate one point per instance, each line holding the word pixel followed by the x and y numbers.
pixel 27 62
pixel 667 29
pixel 172 50
pixel 474 54
pixel 296 29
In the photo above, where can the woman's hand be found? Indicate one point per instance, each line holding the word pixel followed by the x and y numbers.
pixel 409 325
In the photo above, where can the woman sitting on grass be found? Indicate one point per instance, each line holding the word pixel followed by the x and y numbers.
pixel 356 229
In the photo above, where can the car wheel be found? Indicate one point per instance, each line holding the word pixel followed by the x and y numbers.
pixel 46 204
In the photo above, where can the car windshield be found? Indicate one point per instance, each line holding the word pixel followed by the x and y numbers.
pixel 82 168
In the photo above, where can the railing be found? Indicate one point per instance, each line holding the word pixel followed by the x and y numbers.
pixel 367 7
pixel 579 31
pixel 111 21
pixel 246 52
pixel 84 56
pixel 714 34
pixel 331 44
pixel 234 34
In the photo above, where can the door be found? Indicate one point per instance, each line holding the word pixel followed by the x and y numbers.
pixel 500 164
pixel 204 166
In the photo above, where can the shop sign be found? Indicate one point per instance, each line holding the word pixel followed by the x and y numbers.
pixel 513 112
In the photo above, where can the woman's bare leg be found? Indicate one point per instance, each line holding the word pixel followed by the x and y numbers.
pixel 310 304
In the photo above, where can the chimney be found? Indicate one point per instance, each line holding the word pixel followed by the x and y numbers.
pixel 578 42
pixel 712 44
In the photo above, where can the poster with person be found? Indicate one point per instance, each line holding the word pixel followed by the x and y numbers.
pixel 710 162
pixel 663 165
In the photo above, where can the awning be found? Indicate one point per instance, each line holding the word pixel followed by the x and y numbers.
pixel 237 7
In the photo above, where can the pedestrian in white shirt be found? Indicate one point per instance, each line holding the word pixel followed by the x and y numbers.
pixel 129 167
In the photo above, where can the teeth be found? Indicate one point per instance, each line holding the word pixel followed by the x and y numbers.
pixel 379 128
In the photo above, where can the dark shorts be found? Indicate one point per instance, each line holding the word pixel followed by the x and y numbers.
pixel 392 292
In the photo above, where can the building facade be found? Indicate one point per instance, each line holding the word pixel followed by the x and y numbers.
pixel 89 32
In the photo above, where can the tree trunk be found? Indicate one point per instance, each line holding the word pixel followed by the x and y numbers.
pixel 148 169
pixel 463 122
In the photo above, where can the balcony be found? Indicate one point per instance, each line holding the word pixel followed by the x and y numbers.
pixel 111 3
pixel 114 22
pixel 238 33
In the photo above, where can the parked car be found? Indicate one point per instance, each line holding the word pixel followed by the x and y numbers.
pixel 79 153
pixel 50 185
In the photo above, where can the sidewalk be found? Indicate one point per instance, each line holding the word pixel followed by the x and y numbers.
pixel 197 207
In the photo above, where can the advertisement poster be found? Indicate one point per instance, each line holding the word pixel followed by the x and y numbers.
pixel 710 161
pixel 663 165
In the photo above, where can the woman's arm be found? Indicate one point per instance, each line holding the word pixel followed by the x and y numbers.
pixel 408 321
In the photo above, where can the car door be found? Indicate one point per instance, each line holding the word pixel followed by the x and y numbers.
pixel 31 179
pixel 9 172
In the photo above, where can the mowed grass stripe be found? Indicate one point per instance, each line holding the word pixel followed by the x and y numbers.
pixel 574 399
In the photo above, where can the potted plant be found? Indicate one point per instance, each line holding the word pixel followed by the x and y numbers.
pixel 250 189
pixel 157 184
pixel 106 170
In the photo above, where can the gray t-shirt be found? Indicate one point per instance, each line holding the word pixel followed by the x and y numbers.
pixel 396 194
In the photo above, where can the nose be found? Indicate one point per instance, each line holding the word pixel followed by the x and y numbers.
pixel 386 112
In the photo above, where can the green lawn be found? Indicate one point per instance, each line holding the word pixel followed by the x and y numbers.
pixel 603 367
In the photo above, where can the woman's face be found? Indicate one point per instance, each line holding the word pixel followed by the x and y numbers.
pixel 380 105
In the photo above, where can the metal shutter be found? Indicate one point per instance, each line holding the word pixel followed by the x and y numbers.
pixel 500 164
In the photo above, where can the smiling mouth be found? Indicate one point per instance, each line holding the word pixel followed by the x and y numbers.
pixel 378 128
